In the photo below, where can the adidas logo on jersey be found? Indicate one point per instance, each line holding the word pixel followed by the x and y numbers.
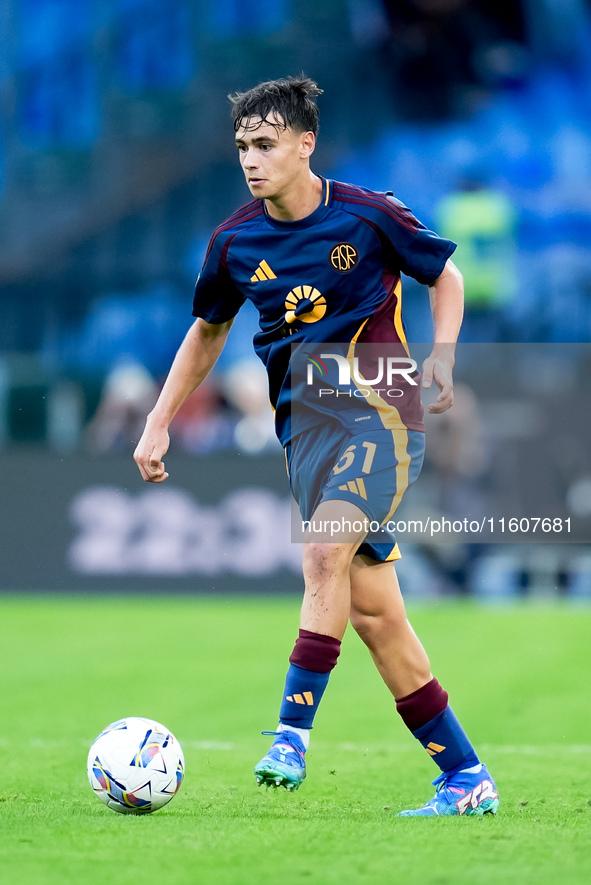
pixel 263 272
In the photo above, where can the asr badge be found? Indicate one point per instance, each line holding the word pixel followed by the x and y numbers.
pixel 344 257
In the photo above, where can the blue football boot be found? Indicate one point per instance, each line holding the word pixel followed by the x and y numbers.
pixel 462 792
pixel 284 765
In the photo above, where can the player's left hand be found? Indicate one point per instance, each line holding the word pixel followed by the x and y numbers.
pixel 150 451
pixel 439 368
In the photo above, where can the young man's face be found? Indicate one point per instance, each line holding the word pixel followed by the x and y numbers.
pixel 272 158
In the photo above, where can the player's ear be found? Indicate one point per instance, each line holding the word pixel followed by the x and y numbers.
pixel 307 144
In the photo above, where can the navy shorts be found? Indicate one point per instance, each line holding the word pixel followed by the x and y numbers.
pixel 371 470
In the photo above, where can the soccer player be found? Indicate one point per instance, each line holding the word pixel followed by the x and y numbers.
pixel 321 261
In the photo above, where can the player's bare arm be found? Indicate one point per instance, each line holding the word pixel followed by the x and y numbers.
pixel 447 307
pixel 194 361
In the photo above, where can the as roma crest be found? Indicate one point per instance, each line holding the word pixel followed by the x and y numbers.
pixel 344 257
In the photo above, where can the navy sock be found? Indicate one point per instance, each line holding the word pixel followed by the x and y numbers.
pixel 303 692
pixel 446 742
pixel 427 715
pixel 313 657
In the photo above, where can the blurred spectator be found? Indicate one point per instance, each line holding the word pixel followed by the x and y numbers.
pixel 482 221
pixel 247 388
pixel 456 448
pixel 204 424
pixel 457 460
pixel 230 410
pixel 129 393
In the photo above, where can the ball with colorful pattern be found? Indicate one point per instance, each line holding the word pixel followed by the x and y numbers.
pixel 135 766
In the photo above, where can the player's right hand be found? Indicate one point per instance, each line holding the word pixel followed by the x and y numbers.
pixel 149 453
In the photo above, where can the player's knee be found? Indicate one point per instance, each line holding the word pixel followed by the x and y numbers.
pixel 326 560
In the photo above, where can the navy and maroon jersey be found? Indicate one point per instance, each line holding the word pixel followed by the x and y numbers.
pixel 332 277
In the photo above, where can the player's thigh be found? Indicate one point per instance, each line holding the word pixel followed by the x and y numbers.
pixel 336 522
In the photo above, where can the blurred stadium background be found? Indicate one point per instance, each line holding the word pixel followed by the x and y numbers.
pixel 117 160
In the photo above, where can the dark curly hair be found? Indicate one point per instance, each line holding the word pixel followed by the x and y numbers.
pixel 289 102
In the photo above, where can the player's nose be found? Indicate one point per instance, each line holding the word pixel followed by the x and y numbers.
pixel 249 160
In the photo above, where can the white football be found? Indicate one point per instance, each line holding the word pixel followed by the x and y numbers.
pixel 135 766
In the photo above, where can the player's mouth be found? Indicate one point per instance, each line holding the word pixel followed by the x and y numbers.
pixel 254 182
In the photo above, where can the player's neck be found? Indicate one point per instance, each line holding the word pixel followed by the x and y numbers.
pixel 302 198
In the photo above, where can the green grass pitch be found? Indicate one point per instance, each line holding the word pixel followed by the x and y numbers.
pixel 212 671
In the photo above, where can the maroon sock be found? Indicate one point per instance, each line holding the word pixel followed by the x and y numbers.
pixel 422 705
pixel 315 652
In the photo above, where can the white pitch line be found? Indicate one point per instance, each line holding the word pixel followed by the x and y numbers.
pixel 504 749
pixel 545 750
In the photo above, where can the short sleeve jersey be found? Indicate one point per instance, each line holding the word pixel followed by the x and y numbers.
pixel 333 276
